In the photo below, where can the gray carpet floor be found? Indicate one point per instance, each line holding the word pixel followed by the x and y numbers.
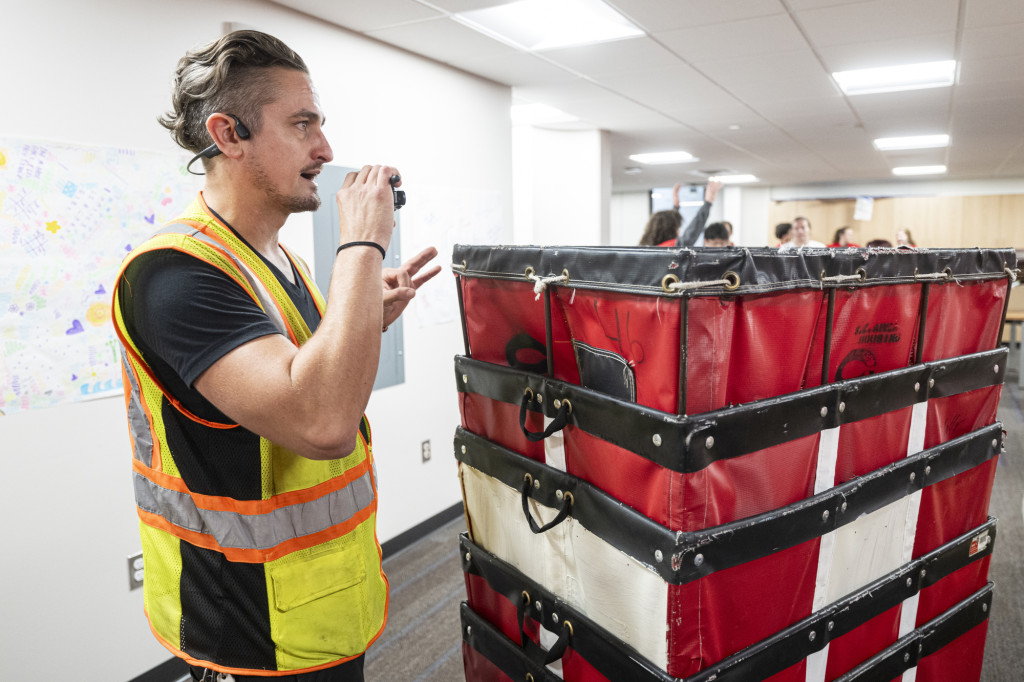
pixel 422 641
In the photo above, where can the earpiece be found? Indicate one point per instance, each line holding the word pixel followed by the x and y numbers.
pixel 213 150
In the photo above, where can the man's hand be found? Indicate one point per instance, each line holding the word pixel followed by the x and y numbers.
pixel 366 210
pixel 400 284
pixel 711 191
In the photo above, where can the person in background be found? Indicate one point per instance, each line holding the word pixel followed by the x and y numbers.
pixel 783 232
pixel 688 237
pixel 801 235
pixel 253 463
pixel 879 244
pixel 716 234
pixel 842 238
pixel 904 238
pixel 662 229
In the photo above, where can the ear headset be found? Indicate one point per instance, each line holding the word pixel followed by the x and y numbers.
pixel 213 150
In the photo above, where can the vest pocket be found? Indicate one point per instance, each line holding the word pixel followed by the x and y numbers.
pixel 301 582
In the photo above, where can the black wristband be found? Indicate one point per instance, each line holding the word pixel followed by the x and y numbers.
pixel 383 254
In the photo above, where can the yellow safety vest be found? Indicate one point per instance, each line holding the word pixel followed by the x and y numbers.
pixel 288 583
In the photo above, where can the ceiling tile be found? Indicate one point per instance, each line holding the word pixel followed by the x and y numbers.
pixel 742 38
pixel 917 112
pixel 442 39
pixel 666 16
pixel 994 13
pixel 773 77
pixel 993 70
pixel 993 41
pixel 456 6
pixel 671 88
pixel 617 55
pixel 863 22
pixel 517 68
pixel 364 16
pixel 931 47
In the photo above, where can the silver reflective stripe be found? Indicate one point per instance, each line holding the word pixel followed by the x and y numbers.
pixel 138 425
pixel 255 531
pixel 269 305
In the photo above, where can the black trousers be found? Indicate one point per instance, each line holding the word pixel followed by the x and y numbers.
pixel 349 671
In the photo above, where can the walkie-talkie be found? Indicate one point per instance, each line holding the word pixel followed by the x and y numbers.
pixel 398 194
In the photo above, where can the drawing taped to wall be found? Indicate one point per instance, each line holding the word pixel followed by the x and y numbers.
pixel 68 215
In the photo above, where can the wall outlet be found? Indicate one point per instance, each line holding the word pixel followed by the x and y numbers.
pixel 425 450
pixel 136 571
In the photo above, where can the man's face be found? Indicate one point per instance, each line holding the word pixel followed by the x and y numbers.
pixel 801 232
pixel 290 148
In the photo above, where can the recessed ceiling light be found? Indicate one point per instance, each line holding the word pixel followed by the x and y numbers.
pixel 659 158
pixel 919 170
pixel 734 179
pixel 911 142
pixel 894 78
pixel 632 170
pixel 734 127
pixel 548 24
pixel 537 114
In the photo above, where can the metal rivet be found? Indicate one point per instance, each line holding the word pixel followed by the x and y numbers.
pixel 842 407
pixel 468 557
pixel 469 629
pixel 658 556
pixel 465 379
pixel 910 581
pixel 536 604
pixel 824 515
pixel 557 403
pixel 536 484
pixel 710 442
pixel 811 635
pixel 824 411
pixel 912 475
pixel 843 507
pixel 831 624
pixel 698 560
pixel 917 386
pixel 923 573
pixel 656 439
pixel 995 369
pixel 558 494
pixel 995 443
pixel 984 607
pixel 906 658
pixel 927 470
pixel 463 449
pixel 540 398
pixel 554 617
pixel 931 383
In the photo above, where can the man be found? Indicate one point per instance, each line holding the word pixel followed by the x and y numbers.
pixel 716 234
pixel 689 235
pixel 253 464
pixel 801 235
pixel 783 232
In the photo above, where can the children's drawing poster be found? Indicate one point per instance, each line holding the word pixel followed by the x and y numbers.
pixel 68 216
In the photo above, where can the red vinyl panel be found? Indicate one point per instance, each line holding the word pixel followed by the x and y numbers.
pixel 951 590
pixel 977 308
pixel 954 506
pixel 957 415
pixel 499 422
pixel 861 643
pixel 872 443
pixel 478 668
pixel 958 661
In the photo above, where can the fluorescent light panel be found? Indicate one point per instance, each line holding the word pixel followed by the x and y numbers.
pixel 919 170
pixel 661 158
pixel 547 24
pixel 734 179
pixel 538 114
pixel 886 144
pixel 895 78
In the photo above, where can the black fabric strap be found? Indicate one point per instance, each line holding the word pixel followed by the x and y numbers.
pixel 383 254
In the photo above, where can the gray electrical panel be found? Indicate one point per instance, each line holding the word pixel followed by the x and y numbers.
pixel 391 370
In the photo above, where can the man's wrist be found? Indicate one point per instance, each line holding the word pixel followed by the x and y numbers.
pixel 383 253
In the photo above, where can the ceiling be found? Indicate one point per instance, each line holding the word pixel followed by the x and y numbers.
pixel 745 85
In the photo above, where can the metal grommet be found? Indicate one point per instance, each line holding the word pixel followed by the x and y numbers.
pixel 910 581
pixel 733 280
pixel 528 478
pixel 554 617
pixel 862 273
pixel 568 624
pixel 537 605
pixel 557 403
pixel 469 629
pixel 984 607
pixel 540 397
pixel 948 272
pixel 710 442
pixel 468 557
pixel 668 280
pixel 526 597
pixel 568 405
pixel 565 273
pixel 923 573
pixel 995 442
pixel 529 677
pixel 536 484
pixel 927 470
pixel 528 392
pixel 906 658
pixel 995 370
pixel 912 476
pixel 842 507
pixel 529 271
pixel 831 624
pixel 658 556
pixel 656 439
pixel 568 498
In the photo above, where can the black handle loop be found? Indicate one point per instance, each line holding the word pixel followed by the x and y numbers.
pixel 558 650
pixel 567 501
pixel 557 424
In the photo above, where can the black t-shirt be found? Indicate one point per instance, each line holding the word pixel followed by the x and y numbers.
pixel 184 314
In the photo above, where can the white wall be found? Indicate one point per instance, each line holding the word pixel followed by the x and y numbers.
pixel 99 73
pixel 562 186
